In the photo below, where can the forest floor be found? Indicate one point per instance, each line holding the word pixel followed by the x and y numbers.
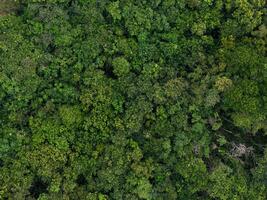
pixel 7 6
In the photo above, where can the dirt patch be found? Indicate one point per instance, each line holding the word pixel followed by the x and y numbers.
pixel 7 7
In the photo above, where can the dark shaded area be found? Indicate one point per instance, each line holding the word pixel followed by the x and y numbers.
pixel 81 180
pixel 38 187
pixel 108 70
pixel 1 163
pixel 215 33
pixel 202 194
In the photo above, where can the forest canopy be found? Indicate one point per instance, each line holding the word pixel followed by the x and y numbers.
pixel 133 99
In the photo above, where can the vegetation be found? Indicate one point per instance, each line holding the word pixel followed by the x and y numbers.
pixel 133 99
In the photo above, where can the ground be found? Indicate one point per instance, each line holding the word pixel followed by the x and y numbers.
pixel 7 6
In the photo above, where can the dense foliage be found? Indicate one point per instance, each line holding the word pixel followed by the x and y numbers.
pixel 133 99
